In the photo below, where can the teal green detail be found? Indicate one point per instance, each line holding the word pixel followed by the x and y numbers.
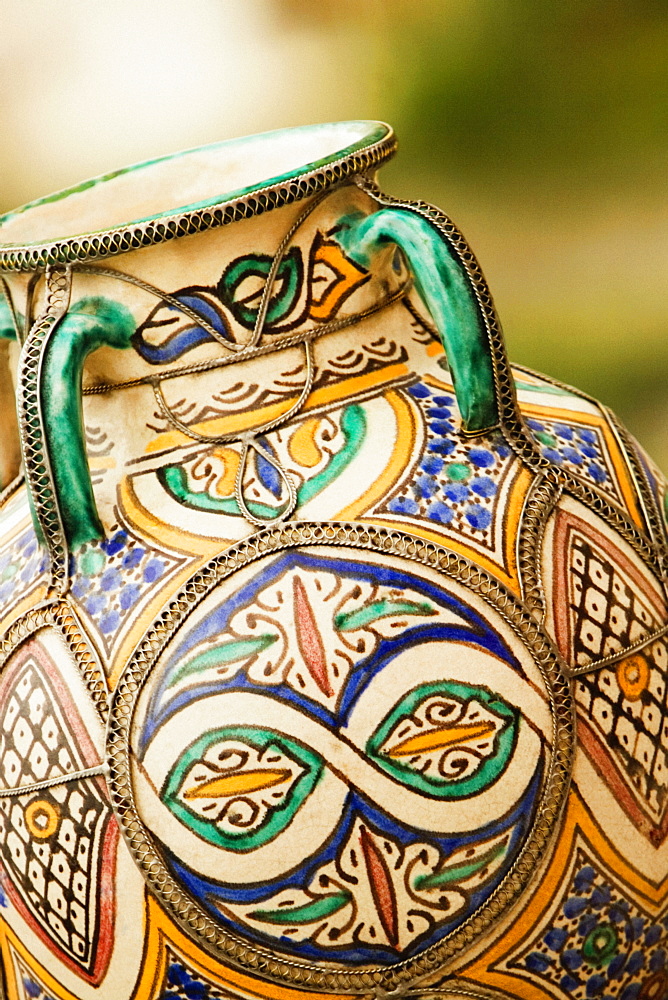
pixel 665 508
pixel 448 788
pixel 600 946
pixel 277 819
pixel 49 199
pixel 348 621
pixel 225 652
pixel 7 329
pixel 377 132
pixel 374 132
pixel 458 472
pixel 545 438
pixel 353 427
pixel 89 324
pixel 92 562
pixel 458 873
pixel 445 287
pixel 543 387
pixel 288 280
pixel 175 481
pixel 319 909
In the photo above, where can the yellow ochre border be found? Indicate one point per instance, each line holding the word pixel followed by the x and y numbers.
pixel 248 420
pixel 546 890
pixel 161 932
pixel 617 457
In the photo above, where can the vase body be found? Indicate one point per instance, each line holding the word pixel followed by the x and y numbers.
pixel 331 662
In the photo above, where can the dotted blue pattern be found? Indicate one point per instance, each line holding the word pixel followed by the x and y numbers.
pixel 600 944
pixel 457 483
pixel 109 578
pixel 21 565
pixel 578 448
pixel 35 990
pixel 183 983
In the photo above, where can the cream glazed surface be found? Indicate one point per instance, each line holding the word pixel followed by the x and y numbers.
pixel 333 647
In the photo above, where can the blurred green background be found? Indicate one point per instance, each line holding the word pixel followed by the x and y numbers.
pixel 540 126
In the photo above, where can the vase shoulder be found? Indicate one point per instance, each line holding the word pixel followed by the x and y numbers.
pixel 334 647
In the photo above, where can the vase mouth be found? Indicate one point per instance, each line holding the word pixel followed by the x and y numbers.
pixel 188 192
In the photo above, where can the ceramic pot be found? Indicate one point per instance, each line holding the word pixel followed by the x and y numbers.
pixel 333 648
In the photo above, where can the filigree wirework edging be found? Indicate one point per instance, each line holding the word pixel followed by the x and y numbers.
pixel 654 551
pixel 37 786
pixel 650 507
pixel 383 541
pixel 504 384
pixel 262 350
pixel 542 498
pixel 142 234
pixel 621 654
pixel 458 988
pixel 36 458
pixel 58 615
pixel 540 501
pixel 510 417
pixel 573 390
pixel 638 541
pixel 11 488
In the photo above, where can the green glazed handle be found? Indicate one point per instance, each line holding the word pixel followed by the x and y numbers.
pixel 446 289
pixel 89 324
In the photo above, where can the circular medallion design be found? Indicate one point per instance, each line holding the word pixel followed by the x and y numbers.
pixel 340 750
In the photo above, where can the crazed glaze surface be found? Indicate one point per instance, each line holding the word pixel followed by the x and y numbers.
pixel 320 673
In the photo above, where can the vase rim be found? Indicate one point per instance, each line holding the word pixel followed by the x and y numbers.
pixel 264 171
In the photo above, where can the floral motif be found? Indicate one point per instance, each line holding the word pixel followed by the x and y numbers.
pixel 599 943
pixel 111 577
pixel 457 483
pixel 377 892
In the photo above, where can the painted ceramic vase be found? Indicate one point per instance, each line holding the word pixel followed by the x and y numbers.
pixel 333 649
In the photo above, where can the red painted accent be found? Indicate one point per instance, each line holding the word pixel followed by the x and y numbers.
pixel 381 887
pixel 607 767
pixel 567 524
pixel 309 639
pixel 89 757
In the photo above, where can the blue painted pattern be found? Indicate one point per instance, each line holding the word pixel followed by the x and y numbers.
pixel 110 577
pixel 195 673
pixel 579 448
pixel 21 565
pixel 183 983
pixel 457 483
pixel 600 944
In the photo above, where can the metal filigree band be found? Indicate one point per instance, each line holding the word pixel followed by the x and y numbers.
pixel 36 458
pixel 143 234
pixel 60 616
pixel 191 916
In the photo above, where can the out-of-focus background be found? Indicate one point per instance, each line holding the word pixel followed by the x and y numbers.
pixel 540 126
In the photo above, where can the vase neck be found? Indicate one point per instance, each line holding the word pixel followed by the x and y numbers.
pixel 212 341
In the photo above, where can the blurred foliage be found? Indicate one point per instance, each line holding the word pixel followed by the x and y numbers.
pixel 539 125
pixel 542 126
pixel 545 90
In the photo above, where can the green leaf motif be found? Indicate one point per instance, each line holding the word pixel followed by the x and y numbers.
pixel 319 909
pixel 496 720
pixel 289 282
pixel 459 873
pixel 174 480
pixel 232 651
pixel 349 621
pixel 260 746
